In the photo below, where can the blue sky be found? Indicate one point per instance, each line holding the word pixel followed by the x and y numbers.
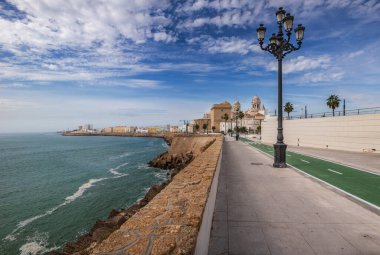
pixel 144 62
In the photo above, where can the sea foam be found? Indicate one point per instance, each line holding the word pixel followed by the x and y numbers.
pixel 36 245
pixel 114 170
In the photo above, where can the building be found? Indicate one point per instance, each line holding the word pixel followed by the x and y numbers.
pixel 174 129
pixel 251 120
pixel 217 113
pixel 200 122
pixel 252 117
pixel 87 127
pixel 142 130
pixel 120 129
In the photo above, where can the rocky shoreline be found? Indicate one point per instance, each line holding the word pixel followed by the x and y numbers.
pixel 174 162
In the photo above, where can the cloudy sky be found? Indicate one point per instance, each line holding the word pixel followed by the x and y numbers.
pixel 144 62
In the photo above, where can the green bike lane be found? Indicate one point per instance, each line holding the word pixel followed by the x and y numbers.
pixel 359 183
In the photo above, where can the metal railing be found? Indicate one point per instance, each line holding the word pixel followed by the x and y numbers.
pixel 360 111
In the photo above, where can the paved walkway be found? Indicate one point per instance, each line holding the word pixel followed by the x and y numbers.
pixel 263 210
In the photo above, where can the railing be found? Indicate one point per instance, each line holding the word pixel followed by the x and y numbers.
pixel 361 111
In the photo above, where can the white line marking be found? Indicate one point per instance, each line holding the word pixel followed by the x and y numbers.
pixel 288 155
pixel 305 161
pixel 334 171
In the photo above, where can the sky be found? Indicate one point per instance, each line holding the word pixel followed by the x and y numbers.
pixel 64 63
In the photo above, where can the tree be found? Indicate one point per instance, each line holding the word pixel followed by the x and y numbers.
pixel 196 127
pixel 213 129
pixel 333 102
pixel 225 118
pixel 259 130
pixel 243 129
pixel 241 116
pixel 204 126
pixel 288 108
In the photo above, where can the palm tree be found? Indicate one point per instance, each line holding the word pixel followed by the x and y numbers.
pixel 204 126
pixel 333 102
pixel 259 130
pixel 196 127
pixel 288 108
pixel 213 129
pixel 241 116
pixel 225 118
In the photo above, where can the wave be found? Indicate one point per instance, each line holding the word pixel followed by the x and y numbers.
pixel 114 170
pixel 81 190
pixel 143 166
pixel 36 245
pixel 161 175
pixel 165 145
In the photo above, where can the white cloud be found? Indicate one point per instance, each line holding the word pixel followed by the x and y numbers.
pixel 135 84
pixel 302 63
pixel 323 76
pixel 355 54
pixel 230 45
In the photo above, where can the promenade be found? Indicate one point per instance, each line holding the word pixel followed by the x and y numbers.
pixel 263 210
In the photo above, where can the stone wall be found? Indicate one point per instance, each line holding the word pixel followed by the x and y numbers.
pixel 169 224
pixel 359 133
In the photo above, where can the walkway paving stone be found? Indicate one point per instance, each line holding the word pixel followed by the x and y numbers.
pixel 263 210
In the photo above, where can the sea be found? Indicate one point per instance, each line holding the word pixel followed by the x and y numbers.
pixel 53 188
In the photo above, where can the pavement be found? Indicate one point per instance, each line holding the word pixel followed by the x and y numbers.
pixel 264 210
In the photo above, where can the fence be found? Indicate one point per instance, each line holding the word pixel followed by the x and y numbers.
pixel 360 111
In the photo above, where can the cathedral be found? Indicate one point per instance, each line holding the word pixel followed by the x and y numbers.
pixel 252 117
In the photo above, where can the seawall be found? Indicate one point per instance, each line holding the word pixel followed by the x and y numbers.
pixel 200 168
pixel 170 222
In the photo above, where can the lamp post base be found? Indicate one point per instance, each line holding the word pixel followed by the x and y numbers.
pixel 279 155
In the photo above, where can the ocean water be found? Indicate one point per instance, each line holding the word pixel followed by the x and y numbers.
pixel 53 188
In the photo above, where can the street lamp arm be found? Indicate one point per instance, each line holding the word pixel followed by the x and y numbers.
pixel 290 48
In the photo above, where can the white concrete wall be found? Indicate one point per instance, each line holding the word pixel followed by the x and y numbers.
pixel 352 133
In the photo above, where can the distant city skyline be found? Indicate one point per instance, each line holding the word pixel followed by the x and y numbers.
pixel 156 62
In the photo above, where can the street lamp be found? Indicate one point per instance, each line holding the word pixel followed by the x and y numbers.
pixel 279 47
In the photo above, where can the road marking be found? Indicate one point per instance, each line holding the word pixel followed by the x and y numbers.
pixel 305 161
pixel 334 171
pixel 288 155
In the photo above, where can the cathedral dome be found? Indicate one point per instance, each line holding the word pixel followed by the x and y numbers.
pixel 256 100
pixel 236 105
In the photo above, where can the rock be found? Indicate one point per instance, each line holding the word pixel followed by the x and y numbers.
pixel 101 234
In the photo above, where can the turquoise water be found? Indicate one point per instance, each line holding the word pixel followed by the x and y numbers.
pixel 53 188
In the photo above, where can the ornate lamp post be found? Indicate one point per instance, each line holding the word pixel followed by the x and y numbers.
pixel 279 47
